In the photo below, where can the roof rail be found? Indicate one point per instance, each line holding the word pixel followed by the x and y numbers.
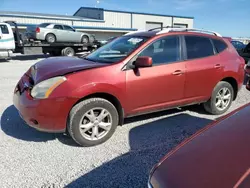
pixel 170 29
pixel 133 32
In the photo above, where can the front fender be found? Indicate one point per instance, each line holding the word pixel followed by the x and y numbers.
pixel 95 88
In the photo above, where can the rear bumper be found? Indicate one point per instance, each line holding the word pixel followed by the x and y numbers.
pixel 35 36
pixel 47 115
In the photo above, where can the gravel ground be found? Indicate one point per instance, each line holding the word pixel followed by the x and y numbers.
pixel 33 159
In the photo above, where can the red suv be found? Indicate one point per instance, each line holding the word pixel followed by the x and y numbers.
pixel 137 73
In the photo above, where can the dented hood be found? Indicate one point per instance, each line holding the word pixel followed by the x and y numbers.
pixel 58 66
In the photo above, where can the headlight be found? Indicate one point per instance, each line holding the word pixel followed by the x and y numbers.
pixel 43 89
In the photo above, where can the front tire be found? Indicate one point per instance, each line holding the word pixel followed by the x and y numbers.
pixel 221 99
pixel 92 121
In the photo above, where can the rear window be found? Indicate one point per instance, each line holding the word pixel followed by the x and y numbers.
pixel 4 29
pixel 43 25
pixel 198 47
pixel 58 27
pixel 219 45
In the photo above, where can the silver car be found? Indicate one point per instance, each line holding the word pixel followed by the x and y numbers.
pixel 52 33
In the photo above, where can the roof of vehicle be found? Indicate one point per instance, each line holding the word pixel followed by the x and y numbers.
pixel 217 156
pixel 153 32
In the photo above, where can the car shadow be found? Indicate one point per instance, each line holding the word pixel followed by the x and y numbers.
pixel 148 144
pixel 14 126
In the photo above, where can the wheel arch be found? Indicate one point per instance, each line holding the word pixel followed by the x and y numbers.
pixel 51 34
pixel 85 35
pixel 109 97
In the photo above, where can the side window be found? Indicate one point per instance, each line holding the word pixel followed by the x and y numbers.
pixel 4 29
pixel 58 27
pixel 163 51
pixel 198 47
pixel 68 28
pixel 219 45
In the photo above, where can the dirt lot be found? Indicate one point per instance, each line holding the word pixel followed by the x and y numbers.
pixel 33 159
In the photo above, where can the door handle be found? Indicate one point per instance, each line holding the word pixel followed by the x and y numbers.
pixel 217 66
pixel 177 72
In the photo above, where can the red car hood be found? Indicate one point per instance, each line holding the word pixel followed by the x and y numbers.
pixel 218 156
pixel 58 66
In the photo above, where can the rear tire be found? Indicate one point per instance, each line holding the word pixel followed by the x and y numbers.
pixel 87 126
pixel 68 51
pixel 221 99
pixel 50 38
pixel 85 39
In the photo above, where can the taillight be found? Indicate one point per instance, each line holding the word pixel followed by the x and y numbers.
pixel 37 30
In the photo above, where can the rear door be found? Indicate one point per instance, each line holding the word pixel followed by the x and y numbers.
pixel 59 33
pixel 71 34
pixel 7 41
pixel 203 66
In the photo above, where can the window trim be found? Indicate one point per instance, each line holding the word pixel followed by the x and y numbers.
pixel 186 56
pixel 67 29
pixel 4 25
pixel 132 60
pixel 217 52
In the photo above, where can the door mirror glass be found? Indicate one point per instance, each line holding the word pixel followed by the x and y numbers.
pixel 143 61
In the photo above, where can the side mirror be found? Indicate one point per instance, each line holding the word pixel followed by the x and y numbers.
pixel 143 61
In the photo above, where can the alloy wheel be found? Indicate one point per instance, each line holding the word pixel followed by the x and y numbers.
pixel 95 124
pixel 223 99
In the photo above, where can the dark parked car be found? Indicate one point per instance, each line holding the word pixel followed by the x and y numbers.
pixel 134 74
pixel 239 46
pixel 247 69
pixel 217 156
pixel 245 53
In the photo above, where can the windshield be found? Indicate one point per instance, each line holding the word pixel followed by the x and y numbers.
pixel 117 49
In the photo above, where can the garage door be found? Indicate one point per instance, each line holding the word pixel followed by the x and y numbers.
pixel 151 25
pixel 180 25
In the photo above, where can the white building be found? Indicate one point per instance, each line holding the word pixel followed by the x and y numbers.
pixel 101 22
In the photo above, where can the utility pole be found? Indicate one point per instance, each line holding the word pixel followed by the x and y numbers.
pixel 97 3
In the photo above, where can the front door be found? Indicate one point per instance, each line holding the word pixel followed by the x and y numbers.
pixel 71 35
pixel 7 41
pixel 161 85
pixel 60 35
